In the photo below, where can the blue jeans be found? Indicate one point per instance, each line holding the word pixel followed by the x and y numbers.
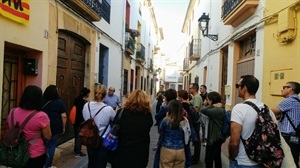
pixel 51 145
pixel 234 164
pixel 295 148
pixel 98 157
pixel 188 155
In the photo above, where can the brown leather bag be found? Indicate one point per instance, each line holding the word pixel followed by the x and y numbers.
pixel 89 132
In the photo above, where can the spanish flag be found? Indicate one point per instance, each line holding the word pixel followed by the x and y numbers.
pixel 17 10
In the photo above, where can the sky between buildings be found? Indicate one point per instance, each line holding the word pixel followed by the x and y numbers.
pixel 170 15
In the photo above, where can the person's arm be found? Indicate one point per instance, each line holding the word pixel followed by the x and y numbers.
pixel 161 114
pixel 233 145
pixel 159 94
pixel 277 112
pixel 64 120
pixel 119 103
pixel 205 111
pixel 47 132
pixel 197 103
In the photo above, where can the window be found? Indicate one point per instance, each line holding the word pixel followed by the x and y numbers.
pixel 248 47
pixel 105 10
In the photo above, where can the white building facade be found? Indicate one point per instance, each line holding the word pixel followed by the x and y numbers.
pixel 232 46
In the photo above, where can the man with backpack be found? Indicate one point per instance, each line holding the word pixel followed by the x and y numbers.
pixel 288 110
pixel 244 119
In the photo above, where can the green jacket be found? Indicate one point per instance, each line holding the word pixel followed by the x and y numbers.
pixel 216 119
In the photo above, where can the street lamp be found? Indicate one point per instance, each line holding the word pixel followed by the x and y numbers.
pixel 203 24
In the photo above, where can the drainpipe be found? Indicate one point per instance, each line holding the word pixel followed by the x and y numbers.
pixel 123 49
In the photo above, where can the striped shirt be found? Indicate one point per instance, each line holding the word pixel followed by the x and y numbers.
pixel 292 107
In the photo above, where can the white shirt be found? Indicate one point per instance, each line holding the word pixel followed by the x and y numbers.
pixel 245 115
pixel 103 118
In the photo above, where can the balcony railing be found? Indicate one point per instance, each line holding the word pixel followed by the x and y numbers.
pixel 180 79
pixel 186 64
pixel 105 10
pixel 129 44
pixel 195 49
pixel 229 6
pixel 235 12
pixel 89 9
pixel 150 64
pixel 140 53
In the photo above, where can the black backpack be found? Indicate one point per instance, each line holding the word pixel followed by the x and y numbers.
pixel 14 149
pixel 264 145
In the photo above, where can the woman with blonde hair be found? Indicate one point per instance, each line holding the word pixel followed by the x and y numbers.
pixel 134 139
pixel 98 157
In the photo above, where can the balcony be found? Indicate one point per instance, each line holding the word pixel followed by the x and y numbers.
pixel 195 49
pixel 234 12
pixel 150 65
pixel 140 53
pixel 89 9
pixel 129 44
pixel 186 64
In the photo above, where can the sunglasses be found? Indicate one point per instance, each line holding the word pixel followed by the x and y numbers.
pixel 283 87
pixel 238 85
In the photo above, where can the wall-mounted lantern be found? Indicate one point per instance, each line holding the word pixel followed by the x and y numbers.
pixel 203 24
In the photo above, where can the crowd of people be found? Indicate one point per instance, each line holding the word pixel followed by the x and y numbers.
pixel 183 119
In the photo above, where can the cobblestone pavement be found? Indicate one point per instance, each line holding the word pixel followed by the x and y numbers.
pixel 67 160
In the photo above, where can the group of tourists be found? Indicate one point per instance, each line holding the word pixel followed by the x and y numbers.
pixel 45 127
pixel 180 115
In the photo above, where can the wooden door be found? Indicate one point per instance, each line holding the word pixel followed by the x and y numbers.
pixel 70 72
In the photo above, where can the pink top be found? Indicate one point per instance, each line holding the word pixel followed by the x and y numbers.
pixel 35 125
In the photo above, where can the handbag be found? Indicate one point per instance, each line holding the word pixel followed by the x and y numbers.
pixel 72 115
pixel 111 140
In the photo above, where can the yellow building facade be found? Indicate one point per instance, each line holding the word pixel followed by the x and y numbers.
pixel 281 48
pixel 46 42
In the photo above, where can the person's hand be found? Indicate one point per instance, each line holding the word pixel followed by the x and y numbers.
pixel 64 130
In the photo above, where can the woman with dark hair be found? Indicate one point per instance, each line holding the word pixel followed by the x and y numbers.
pixel 98 157
pixel 38 126
pixel 55 108
pixel 79 102
pixel 215 112
pixel 134 139
pixel 170 94
pixel 175 132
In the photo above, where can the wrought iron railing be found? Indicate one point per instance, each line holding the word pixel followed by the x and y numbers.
pixel 195 47
pixel 150 65
pixel 95 5
pixel 140 51
pixel 129 42
pixel 229 6
pixel 186 64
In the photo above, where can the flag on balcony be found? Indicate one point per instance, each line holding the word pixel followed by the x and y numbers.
pixel 17 10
